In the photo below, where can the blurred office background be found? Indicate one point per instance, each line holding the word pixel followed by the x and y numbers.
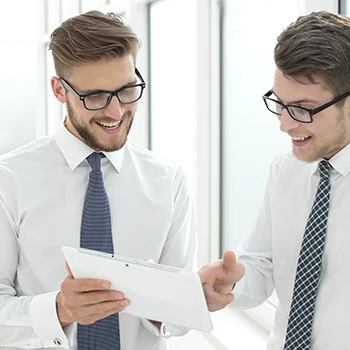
pixel 206 63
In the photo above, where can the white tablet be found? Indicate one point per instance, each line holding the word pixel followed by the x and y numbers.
pixel 156 292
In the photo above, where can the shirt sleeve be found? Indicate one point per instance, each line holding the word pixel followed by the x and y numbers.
pixel 180 249
pixel 27 322
pixel 255 252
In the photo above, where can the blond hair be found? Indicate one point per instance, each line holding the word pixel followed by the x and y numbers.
pixel 91 37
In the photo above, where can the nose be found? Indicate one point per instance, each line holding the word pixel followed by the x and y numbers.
pixel 115 109
pixel 287 122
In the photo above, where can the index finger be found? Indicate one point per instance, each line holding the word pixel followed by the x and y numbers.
pixel 215 300
pixel 88 284
pixel 211 272
pixel 85 285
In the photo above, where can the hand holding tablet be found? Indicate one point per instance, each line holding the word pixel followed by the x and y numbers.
pixel 156 292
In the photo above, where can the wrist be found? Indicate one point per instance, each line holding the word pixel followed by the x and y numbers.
pixel 62 313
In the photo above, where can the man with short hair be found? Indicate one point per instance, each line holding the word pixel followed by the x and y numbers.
pixel 46 202
pixel 299 243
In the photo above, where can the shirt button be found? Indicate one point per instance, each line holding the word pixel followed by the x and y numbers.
pixel 57 342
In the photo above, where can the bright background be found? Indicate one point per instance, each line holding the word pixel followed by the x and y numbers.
pixel 206 63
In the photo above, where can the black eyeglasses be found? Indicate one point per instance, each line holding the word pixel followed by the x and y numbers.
pixel 94 101
pixel 300 114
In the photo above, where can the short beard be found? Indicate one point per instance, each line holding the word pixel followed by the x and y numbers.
pixel 93 141
pixel 338 142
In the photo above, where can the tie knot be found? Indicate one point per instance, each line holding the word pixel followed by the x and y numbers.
pixel 94 159
pixel 324 167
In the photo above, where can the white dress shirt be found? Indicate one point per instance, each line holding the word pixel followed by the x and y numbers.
pixel 42 191
pixel 270 254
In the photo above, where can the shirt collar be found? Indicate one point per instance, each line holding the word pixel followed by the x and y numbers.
pixel 339 162
pixel 75 151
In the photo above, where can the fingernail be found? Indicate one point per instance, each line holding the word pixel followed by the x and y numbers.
pixel 105 285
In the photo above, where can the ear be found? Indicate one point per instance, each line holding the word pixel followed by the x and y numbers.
pixel 58 89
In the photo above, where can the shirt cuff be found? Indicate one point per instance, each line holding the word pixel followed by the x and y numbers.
pixel 166 330
pixel 238 288
pixel 45 321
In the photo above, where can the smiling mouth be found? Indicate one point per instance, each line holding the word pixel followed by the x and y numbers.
pixel 110 126
pixel 303 138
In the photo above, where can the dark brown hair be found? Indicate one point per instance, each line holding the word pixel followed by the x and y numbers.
pixel 317 45
pixel 90 37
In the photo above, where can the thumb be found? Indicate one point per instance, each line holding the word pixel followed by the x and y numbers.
pixel 69 272
pixel 229 260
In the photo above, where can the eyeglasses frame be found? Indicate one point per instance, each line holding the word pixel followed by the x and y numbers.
pixel 115 93
pixel 311 112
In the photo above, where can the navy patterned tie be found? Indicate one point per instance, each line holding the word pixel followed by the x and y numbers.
pixel 298 336
pixel 96 234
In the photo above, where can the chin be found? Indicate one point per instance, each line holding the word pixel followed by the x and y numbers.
pixel 304 157
pixel 114 146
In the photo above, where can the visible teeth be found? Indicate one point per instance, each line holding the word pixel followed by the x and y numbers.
pixel 300 138
pixel 110 125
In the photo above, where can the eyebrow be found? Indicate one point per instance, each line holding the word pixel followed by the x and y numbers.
pixel 98 91
pixel 303 100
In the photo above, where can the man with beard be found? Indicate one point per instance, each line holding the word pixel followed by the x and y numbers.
pixel 299 243
pixel 42 193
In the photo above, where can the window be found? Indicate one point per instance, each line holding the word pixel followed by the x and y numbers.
pixel 20 50
pixel 184 117
pixel 250 134
pixel 344 7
